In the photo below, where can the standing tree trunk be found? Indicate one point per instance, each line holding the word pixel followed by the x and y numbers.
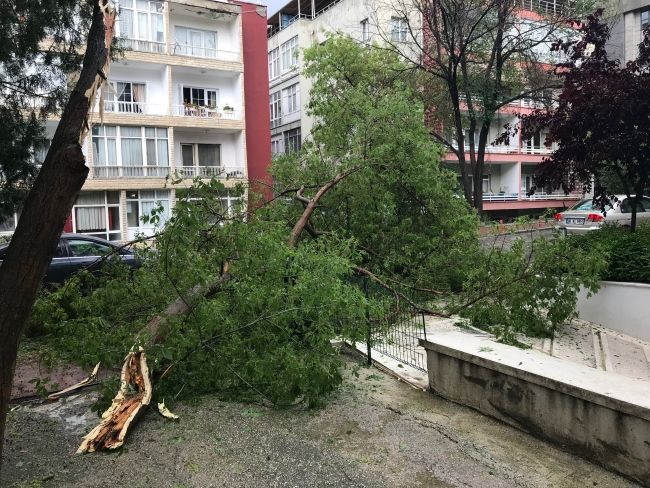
pixel 49 203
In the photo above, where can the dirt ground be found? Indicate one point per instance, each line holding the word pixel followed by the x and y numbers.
pixel 375 432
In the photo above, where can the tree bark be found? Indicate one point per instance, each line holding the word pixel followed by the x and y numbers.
pixel 49 203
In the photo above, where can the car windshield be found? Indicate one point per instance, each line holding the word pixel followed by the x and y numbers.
pixel 588 204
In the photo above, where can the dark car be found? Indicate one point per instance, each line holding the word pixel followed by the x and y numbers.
pixel 78 251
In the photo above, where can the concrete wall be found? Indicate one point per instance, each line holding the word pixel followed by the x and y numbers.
pixel 565 403
pixel 624 307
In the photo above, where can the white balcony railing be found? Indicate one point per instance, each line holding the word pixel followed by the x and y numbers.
pixel 142 45
pixel 130 171
pixel 556 195
pixel 209 171
pixel 202 52
pixel 135 108
pixel 536 149
pixel 205 112
pixel 500 197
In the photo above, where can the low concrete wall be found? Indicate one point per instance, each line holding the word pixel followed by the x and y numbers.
pixel 624 307
pixel 598 415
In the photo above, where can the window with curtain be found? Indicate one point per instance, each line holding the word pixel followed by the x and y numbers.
pixel 202 97
pixel 291 99
pixel 156 146
pixel 104 145
pixel 141 203
pixel 209 154
pixel 142 19
pixel 131 146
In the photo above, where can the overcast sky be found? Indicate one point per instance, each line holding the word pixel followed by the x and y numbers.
pixel 274 5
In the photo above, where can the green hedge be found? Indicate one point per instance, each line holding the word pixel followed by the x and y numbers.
pixel 628 253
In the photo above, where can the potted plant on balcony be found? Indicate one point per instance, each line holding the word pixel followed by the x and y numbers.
pixel 228 110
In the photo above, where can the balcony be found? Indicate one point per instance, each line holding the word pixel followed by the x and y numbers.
pixel 130 171
pixel 210 171
pixel 556 195
pixel 500 197
pixel 206 112
pixel 135 108
pixel 545 7
pixel 179 49
pixel 536 149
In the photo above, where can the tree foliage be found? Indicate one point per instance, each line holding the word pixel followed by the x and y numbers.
pixel 473 58
pixel 40 45
pixel 601 125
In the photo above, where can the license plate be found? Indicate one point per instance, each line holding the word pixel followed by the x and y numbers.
pixel 575 221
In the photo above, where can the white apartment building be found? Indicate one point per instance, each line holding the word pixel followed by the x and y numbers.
pixel 172 110
pixel 298 25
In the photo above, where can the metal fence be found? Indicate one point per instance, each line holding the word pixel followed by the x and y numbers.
pixel 397 335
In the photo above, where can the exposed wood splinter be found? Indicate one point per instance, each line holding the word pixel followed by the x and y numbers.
pixel 134 394
pixel 66 391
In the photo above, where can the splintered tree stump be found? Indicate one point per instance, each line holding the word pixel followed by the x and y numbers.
pixel 134 394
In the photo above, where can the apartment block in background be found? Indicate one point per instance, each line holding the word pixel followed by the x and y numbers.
pixel 299 24
pixel 175 104
pixel 629 19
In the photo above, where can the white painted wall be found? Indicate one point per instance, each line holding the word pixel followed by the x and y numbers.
pixel 624 307
pixel 510 178
pixel 228 37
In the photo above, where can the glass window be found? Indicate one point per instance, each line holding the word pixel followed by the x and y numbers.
pixel 626 206
pixel 97 213
pixel 292 140
pixel 209 154
pixel 645 19
pixel 82 248
pixel 365 30
pixel 276 109
pixel 291 99
pixel 289 54
pixel 276 145
pixel 398 29
pixel 274 63
pixel 144 22
pixel 195 42
pixel 141 203
pixel 187 154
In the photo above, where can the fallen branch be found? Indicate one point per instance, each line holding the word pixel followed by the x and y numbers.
pixel 85 382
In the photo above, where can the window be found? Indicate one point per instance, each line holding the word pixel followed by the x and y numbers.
pixel 201 97
pixel 139 204
pixel 274 63
pixel 291 99
pixel 641 206
pixel 292 140
pixel 645 19
pixel 276 145
pixel 116 148
pixel 201 154
pixel 195 42
pixel 8 223
pixel 124 96
pixel 82 248
pixel 365 30
pixel 398 29
pixel 276 109
pixel 97 213
pixel 289 54
pixel 141 24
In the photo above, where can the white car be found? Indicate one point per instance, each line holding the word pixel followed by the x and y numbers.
pixel 584 216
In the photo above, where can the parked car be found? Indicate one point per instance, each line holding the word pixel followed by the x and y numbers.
pixel 584 216
pixel 78 251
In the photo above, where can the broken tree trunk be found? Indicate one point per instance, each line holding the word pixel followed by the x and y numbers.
pixel 49 202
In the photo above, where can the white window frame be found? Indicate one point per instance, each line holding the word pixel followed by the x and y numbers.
pixel 115 233
pixel 187 49
pixel 291 99
pixel 118 145
pixel 275 107
pixel 160 196
pixel 398 29
pixel 151 12
pixel 205 94
pixel 289 57
pixel 274 63
pixel 646 22
pixel 277 144
pixel 111 103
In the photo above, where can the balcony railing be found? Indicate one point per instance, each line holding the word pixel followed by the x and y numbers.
pixel 547 7
pixel 202 52
pixel 536 149
pixel 205 112
pixel 142 45
pixel 556 195
pixel 130 171
pixel 500 197
pixel 175 48
pixel 136 108
pixel 209 171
